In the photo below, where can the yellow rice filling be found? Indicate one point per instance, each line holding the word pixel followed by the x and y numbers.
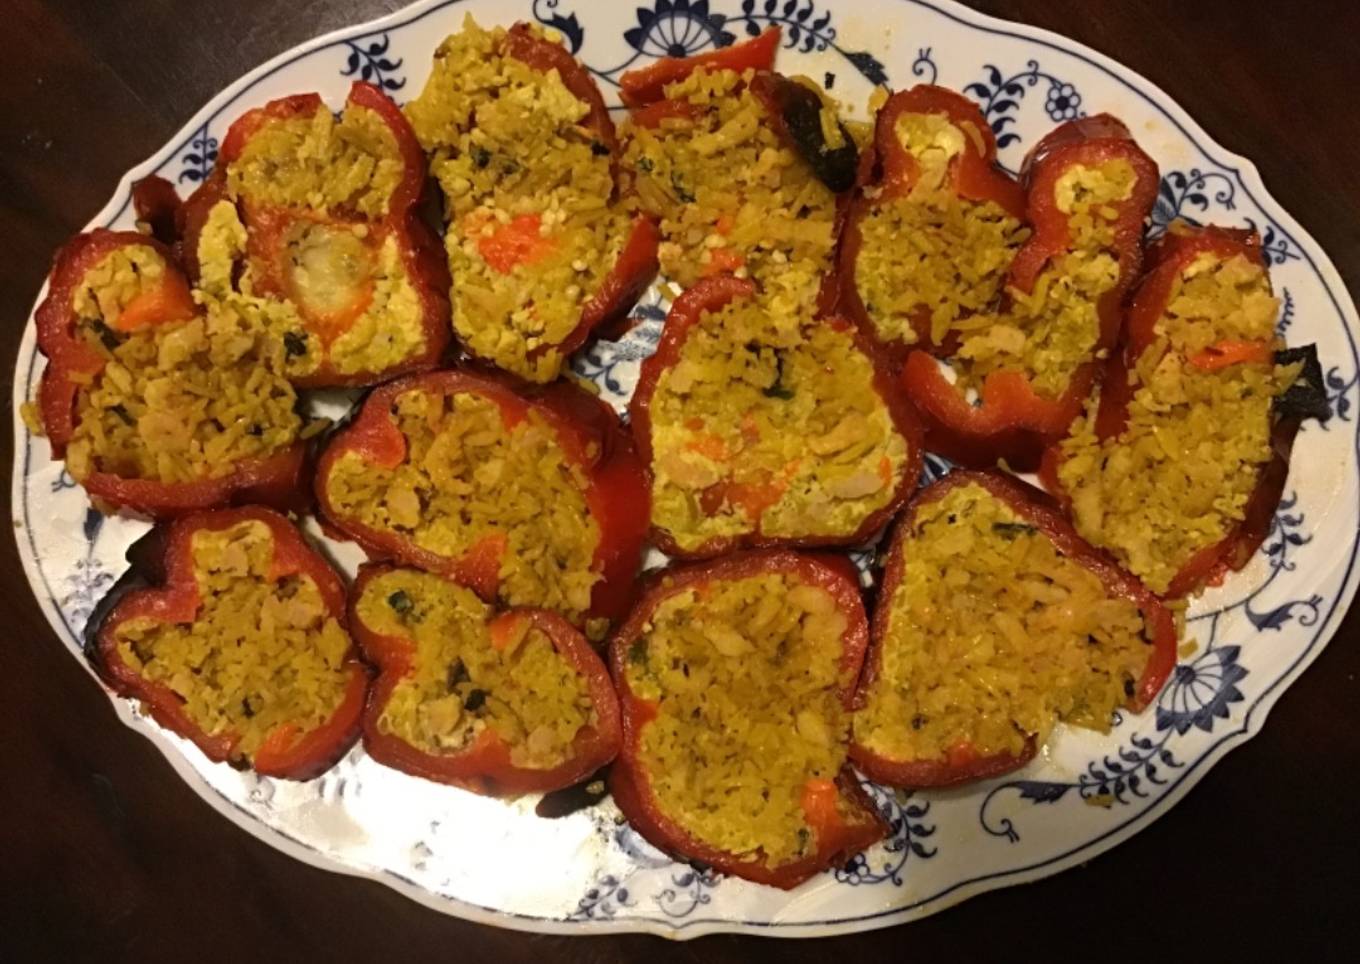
pixel 930 250
pixel 528 187
pixel 745 676
pixel 469 478
pixel 329 267
pixel 994 636
pixel 1178 478
pixel 259 656
pixel 174 402
pixel 320 163
pixel 762 422
pixel 731 195
pixel 1053 329
pixel 459 684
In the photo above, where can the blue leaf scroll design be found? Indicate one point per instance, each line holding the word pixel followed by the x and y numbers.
pixel 907 833
pixel 688 891
pixel 683 28
pixel 368 60
pixel 1001 95
pixel 198 161
pixel 1338 394
pixel 568 26
pixel 1184 195
pixel 603 900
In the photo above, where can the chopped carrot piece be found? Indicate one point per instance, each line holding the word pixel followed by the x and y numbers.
pixel 724 224
pixel 518 243
pixel 168 301
pixel 723 259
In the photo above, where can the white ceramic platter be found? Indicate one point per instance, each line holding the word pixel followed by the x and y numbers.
pixel 499 864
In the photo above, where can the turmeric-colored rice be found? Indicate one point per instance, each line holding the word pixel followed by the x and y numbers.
pixel 1177 479
pixel 174 402
pixel 731 195
pixel 262 656
pixel 468 480
pixel 1050 331
pixel 930 250
pixel 993 636
pixel 745 675
pixel 533 230
pixel 460 684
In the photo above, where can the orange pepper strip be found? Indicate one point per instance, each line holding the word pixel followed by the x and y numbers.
pixel 819 805
pixel 1227 353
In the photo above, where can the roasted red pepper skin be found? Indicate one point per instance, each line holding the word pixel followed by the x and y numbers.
pixel 278 480
pixel 1014 422
pixel 1167 258
pixel 174 597
pixel 421 251
pixel 638 88
pixel 1038 509
pixel 710 295
pixel 590 435
pixel 485 767
pixel 628 780
pixel 894 172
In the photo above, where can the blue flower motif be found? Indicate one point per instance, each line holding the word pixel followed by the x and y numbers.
pixel 1063 102
pixel 1199 692
pixel 677 28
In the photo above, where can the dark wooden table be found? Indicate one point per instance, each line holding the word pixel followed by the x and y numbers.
pixel 104 852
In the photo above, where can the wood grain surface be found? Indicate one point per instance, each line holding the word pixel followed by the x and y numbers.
pixel 105 854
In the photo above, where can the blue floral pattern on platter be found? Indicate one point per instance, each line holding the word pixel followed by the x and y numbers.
pixel 590 872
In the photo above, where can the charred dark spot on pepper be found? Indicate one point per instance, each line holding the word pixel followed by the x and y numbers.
pixel 569 800
pixel 599 148
pixel 1307 396
pixel 801 110
pixel 294 343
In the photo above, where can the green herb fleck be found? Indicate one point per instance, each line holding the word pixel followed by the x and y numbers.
pixel 1010 530
pixel 637 653
pixel 400 602
pixel 646 164
pixel 685 195
pixel 122 413
pixel 457 674
pixel 475 700
pixel 481 156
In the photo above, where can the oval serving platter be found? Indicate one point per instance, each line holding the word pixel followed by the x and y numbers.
pixel 497 863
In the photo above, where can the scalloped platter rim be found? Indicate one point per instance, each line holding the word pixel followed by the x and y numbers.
pixel 496 863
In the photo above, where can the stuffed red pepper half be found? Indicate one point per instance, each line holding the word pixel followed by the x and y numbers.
pixel 745 169
pixel 541 247
pixel 1020 376
pixel 241 646
pixel 153 406
pixel 1178 466
pixel 308 228
pixel 532 497
pixel 760 430
pixel 931 235
pixel 735 681
pixel 996 621
pixel 500 703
